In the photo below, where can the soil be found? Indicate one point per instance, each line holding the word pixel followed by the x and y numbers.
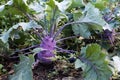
pixel 59 70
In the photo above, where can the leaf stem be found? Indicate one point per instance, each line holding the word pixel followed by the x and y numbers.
pixel 38 34
pixel 65 25
pixel 45 21
pixel 63 50
pixel 52 26
pixel 26 48
pixel 67 38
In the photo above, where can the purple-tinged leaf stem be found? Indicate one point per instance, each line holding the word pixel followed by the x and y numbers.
pixel 52 22
pixel 63 50
pixel 67 38
pixel 65 25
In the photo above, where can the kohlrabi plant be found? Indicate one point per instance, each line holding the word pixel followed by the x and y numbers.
pixel 47 19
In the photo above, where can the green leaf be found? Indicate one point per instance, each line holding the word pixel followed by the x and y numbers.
pixel 4 48
pixel 93 51
pixel 3 6
pixel 37 7
pixel 59 5
pixel 77 14
pixel 5 35
pixel 79 64
pixel 25 26
pixel 95 65
pixel 37 50
pixel 55 12
pixel 91 20
pixel 51 3
pixel 76 3
pixel 15 7
pixel 81 29
pixel 101 4
pixel 21 5
pixel 1 66
pixel 32 59
pixel 64 5
pixel 9 2
pixel 93 16
pixel 23 71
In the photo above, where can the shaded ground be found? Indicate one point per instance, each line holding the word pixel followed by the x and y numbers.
pixel 59 70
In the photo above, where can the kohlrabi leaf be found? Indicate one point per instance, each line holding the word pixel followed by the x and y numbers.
pixel 90 20
pixel 55 11
pixel 59 5
pixel 4 48
pixel 9 2
pixel 81 29
pixel 15 7
pixel 79 64
pixel 92 15
pixel 21 5
pixel 23 71
pixel 64 5
pixel 93 63
pixel 37 50
pixel 3 6
pixel 25 26
pixel 76 3
pixel 52 4
pixel 37 7
pixel 1 66
pixel 5 35
pixel 101 4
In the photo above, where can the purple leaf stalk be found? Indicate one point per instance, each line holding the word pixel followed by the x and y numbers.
pixel 109 35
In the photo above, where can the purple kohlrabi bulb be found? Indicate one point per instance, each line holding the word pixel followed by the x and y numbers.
pixel 48 46
pixel 45 56
pixel 48 43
